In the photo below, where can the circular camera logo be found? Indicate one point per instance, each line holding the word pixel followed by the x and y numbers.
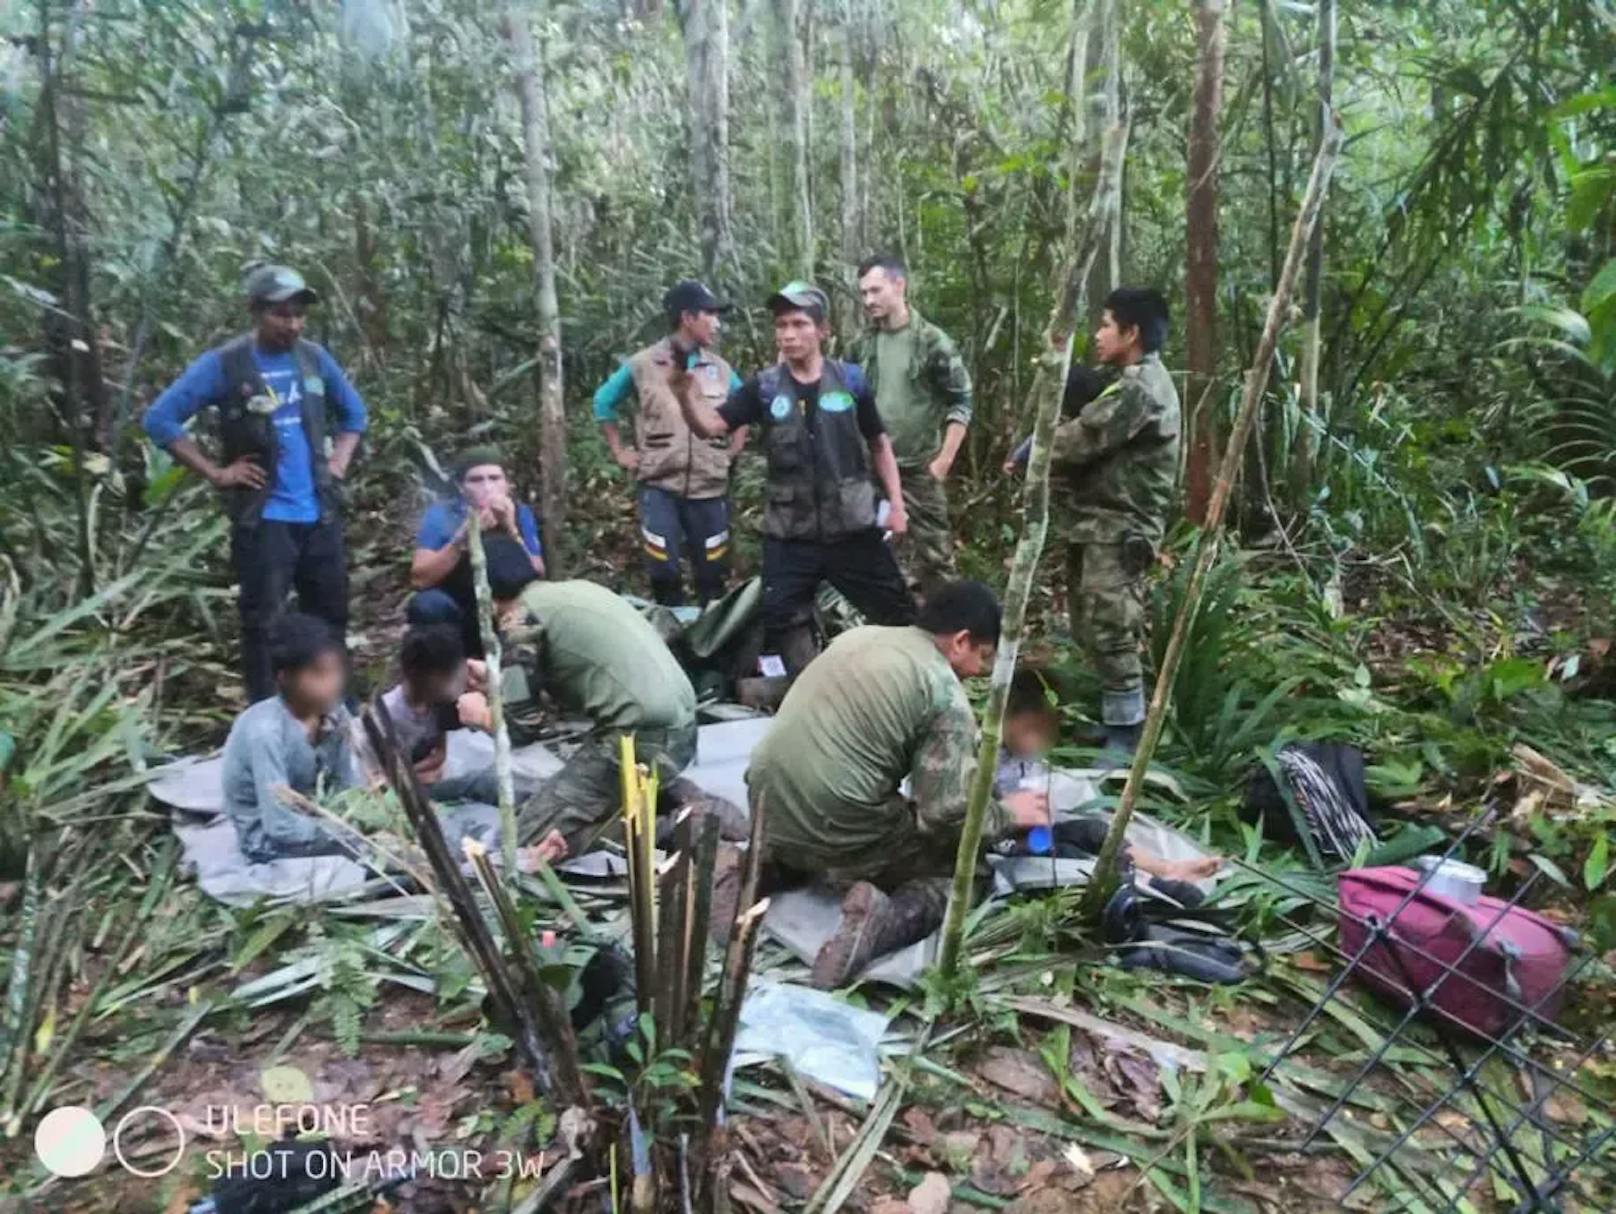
pixel 145 1114
pixel 70 1141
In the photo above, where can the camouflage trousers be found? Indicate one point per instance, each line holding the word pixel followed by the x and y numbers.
pixel 584 799
pixel 908 859
pixel 1105 586
pixel 927 552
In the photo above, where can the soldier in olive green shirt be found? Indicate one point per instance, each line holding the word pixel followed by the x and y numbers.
pixel 596 657
pixel 878 707
pixel 1119 457
pixel 923 392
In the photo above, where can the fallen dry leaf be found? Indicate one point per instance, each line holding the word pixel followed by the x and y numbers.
pixel 1021 1073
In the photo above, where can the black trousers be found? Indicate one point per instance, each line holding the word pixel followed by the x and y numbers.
pixel 273 559
pixel 860 565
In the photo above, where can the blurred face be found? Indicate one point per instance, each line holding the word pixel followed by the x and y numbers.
pixel 1114 343
pixel 1027 734
pixel 700 328
pixel 483 484
pixel 797 335
pixel 318 686
pixel 882 294
pixel 280 325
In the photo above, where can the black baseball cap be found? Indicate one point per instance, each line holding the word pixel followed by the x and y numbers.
pixel 277 284
pixel 689 295
pixel 800 295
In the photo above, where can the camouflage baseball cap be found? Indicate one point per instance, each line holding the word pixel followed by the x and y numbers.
pixel 799 294
pixel 276 284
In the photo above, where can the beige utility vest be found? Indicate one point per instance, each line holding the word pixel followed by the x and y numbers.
pixel 672 456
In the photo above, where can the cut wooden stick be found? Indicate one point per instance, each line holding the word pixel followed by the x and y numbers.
pixel 641 879
pixel 1103 882
pixel 560 1042
pixel 669 995
pixel 726 1015
pixel 468 918
pixel 700 904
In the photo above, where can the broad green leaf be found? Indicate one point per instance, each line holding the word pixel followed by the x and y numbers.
pixel 1601 288
pixel 1597 866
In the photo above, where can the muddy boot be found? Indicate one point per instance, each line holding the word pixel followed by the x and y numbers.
pixel 873 925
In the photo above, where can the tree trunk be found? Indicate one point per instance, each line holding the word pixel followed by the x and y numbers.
pixel 1077 67
pixel 1113 116
pixel 1047 391
pixel 1201 264
pixel 706 30
pixel 1103 882
pixel 794 84
pixel 1103 48
pixel 852 225
pixel 1313 283
pixel 536 155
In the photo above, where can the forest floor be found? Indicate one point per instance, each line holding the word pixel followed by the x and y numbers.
pixel 1059 1083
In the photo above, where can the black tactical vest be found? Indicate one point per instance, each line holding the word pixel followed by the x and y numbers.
pixel 818 484
pixel 246 425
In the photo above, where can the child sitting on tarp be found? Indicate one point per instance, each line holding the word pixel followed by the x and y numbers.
pixel 1031 727
pixel 297 739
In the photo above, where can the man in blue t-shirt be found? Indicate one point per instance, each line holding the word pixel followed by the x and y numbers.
pixel 440 570
pixel 274 393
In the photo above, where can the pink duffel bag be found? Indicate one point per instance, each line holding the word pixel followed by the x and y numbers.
pixel 1513 958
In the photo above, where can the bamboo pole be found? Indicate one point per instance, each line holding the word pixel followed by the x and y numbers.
pixel 560 1041
pixel 1104 881
pixel 494 655
pixel 1048 387
pixel 471 926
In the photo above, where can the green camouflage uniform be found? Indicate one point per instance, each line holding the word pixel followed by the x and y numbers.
pixel 598 658
pixel 878 706
pixel 921 384
pixel 1120 457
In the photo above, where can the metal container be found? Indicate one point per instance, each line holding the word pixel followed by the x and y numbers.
pixel 1452 878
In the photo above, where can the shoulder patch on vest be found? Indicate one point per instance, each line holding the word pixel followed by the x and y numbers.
pixel 836 402
pixel 314 384
pixel 780 407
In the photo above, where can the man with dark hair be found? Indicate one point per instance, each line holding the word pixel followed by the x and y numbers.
pixel 595 657
pixel 822 436
pixel 1119 456
pixel 273 391
pixel 440 570
pixel 683 479
pixel 299 738
pixel 924 393
pixel 878 707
